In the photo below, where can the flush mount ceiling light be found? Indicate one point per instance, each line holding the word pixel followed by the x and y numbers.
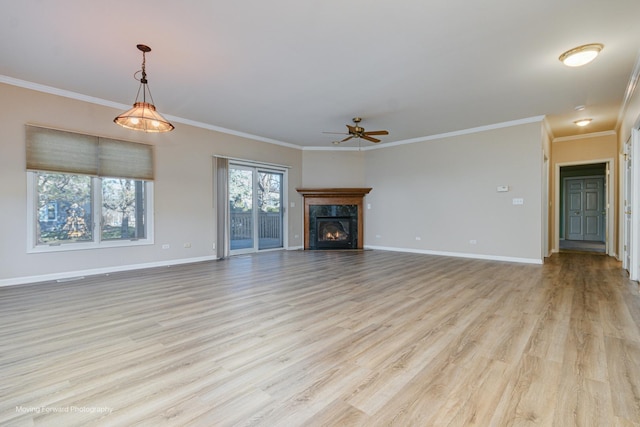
pixel 581 55
pixel 143 116
pixel 582 122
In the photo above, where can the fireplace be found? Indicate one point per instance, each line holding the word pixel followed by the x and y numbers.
pixel 335 233
pixel 333 218
pixel 333 227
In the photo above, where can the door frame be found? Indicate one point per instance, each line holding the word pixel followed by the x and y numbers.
pixel 626 196
pixel 545 206
pixel 266 167
pixel 634 245
pixel 610 206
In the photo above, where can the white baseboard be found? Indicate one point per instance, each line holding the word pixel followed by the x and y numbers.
pixel 70 275
pixel 459 255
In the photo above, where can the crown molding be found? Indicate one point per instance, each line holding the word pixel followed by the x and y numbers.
pixel 631 88
pixel 99 101
pixel 478 129
pixel 584 136
pixel 452 134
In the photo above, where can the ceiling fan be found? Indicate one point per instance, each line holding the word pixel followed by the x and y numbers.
pixel 359 132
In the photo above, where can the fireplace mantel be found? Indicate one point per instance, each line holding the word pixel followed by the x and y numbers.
pixel 334 196
pixel 333 192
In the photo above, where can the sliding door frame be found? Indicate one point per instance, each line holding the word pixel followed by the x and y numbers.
pixel 257 168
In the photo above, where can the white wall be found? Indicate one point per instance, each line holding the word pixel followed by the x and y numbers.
pixel 183 188
pixel 334 168
pixel 444 192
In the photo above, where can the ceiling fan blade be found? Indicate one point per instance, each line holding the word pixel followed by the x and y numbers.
pixel 347 138
pixel 368 138
pixel 377 132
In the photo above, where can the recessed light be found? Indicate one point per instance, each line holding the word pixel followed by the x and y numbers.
pixel 581 55
pixel 582 122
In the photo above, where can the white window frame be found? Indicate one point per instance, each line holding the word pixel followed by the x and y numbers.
pixel 97 243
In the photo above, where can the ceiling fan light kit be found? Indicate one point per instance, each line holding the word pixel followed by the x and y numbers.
pixel 359 132
pixel 143 116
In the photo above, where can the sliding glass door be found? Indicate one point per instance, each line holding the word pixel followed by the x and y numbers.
pixel 255 207
pixel 270 215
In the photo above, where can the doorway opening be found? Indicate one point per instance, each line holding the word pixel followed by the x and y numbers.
pixel 256 208
pixel 583 215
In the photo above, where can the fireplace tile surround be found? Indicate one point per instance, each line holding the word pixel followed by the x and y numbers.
pixel 338 204
pixel 333 227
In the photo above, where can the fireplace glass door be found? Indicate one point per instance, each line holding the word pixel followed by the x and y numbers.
pixel 255 209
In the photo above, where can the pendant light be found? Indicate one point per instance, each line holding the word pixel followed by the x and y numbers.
pixel 143 116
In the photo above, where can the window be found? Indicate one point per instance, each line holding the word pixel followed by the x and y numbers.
pixel 69 210
pixel 72 210
pixel 65 206
pixel 122 209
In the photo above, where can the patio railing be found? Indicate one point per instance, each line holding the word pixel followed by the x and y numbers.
pixel 269 227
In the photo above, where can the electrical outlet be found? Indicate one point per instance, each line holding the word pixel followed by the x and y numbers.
pixel 473 242
pixel 187 245
pixel 166 246
pixel 213 246
pixel 418 238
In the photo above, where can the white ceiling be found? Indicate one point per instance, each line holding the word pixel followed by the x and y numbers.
pixel 287 70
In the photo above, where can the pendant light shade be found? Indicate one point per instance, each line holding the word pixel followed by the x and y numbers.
pixel 143 116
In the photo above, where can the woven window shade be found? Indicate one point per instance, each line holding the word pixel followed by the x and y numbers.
pixel 123 159
pixel 50 150
pixel 59 151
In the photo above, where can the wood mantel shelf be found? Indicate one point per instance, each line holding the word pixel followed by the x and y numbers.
pixel 333 192
pixel 334 196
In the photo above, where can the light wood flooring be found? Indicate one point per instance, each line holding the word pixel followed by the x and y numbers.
pixel 322 338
